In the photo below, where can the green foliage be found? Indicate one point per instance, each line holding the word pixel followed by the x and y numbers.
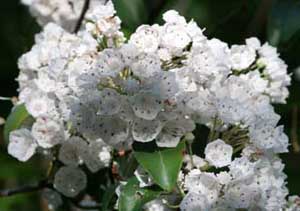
pixel 15 120
pixel 284 21
pixel 132 13
pixel 133 197
pixel 15 174
pixel 163 165
pixel 107 197
pixel 127 165
pixel 15 202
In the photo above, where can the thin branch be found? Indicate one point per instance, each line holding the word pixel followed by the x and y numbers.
pixel 25 189
pixel 294 130
pixel 5 98
pixel 81 17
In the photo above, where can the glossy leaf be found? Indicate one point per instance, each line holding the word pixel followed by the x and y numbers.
pixel 15 120
pixel 133 197
pixel 163 164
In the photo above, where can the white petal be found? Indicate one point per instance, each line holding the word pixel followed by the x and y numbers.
pixel 146 130
pixel 145 105
pixel 21 144
pixel 218 153
pixel 71 151
pixel 109 102
pixel 112 130
pixel 48 132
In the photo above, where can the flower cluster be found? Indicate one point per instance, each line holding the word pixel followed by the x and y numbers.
pixel 92 92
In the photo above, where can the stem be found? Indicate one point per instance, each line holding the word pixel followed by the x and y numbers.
pixel 180 190
pixel 81 17
pixel 211 135
pixel 172 206
pixel 206 167
pixel 190 151
pixel 165 202
pixel 294 134
pixel 6 98
pixel 238 149
pixel 25 189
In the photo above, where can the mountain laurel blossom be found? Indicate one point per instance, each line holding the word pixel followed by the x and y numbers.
pixel 94 94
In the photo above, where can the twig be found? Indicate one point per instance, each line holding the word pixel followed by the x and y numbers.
pixel 5 98
pixel 81 17
pixel 190 151
pixel 294 132
pixel 25 189
pixel 212 132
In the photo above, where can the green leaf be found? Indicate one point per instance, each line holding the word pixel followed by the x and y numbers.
pixel 163 164
pixel 109 194
pixel 133 197
pixel 132 12
pixel 127 165
pixel 15 120
pixel 284 21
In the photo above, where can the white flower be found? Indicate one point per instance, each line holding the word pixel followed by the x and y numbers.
pixel 198 162
pixel 224 178
pixel 146 130
pixel 146 38
pixel 97 155
pixel 241 168
pixel 70 181
pixel 71 151
pixel 173 131
pixel 218 153
pixel 203 183
pixel 21 144
pixel 109 102
pixel 270 138
pixel 48 132
pixel 242 57
pixel 146 105
pixel 253 42
pixel 173 16
pixel 241 196
pixel 194 202
pixel 156 205
pixel 91 93
pixel 39 104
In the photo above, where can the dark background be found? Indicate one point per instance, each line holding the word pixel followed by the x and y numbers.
pixel 277 22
